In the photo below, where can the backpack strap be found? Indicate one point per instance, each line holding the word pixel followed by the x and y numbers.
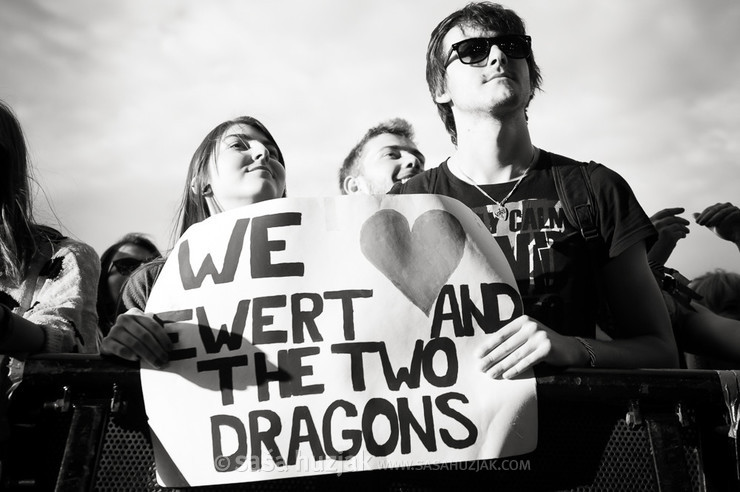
pixel 573 184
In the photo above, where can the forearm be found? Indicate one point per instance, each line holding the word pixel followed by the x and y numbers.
pixel 643 336
pixel 640 352
pixel 706 333
pixel 18 335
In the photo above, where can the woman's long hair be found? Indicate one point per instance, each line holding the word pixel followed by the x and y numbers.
pixel 17 230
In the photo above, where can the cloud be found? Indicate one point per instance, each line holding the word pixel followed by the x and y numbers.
pixel 115 96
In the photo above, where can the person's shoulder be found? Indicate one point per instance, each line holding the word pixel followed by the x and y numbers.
pixel 138 286
pixel 59 245
pixel 421 183
pixel 58 253
pixel 596 170
pixel 149 271
pixel 555 159
pixel 79 249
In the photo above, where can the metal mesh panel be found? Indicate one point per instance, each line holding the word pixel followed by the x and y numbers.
pixel 627 463
pixel 693 459
pixel 126 463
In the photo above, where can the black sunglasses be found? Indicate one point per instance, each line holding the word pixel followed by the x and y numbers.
pixel 126 266
pixel 475 50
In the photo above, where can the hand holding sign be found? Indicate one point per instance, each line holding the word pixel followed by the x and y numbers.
pixel 524 342
pixel 136 336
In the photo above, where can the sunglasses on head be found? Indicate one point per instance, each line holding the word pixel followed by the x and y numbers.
pixel 475 50
pixel 126 266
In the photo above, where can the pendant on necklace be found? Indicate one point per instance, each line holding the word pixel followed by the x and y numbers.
pixel 501 213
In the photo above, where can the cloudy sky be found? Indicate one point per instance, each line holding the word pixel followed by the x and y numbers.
pixel 116 95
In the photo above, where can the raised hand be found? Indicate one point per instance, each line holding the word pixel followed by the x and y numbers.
pixel 671 228
pixel 723 219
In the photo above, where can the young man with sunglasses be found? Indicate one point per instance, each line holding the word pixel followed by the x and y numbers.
pixel 385 155
pixel 482 75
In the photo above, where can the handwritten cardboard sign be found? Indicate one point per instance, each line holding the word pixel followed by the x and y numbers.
pixel 327 335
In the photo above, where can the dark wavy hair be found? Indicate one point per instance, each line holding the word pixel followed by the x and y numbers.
pixel 107 302
pixel 193 208
pixel 483 15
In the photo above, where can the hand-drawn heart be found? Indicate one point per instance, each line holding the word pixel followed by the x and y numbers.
pixel 418 261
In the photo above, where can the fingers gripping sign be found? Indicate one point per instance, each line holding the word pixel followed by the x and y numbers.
pixel 524 342
pixel 138 336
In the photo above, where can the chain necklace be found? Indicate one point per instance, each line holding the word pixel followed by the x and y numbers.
pixel 500 212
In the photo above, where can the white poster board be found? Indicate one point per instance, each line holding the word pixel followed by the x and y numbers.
pixel 330 335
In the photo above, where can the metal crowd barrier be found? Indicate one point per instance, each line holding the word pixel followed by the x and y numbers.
pixel 78 423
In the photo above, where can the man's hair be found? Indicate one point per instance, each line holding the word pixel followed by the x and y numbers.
pixel 483 15
pixel 720 291
pixel 351 164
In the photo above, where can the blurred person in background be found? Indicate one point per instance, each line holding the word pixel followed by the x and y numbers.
pixel 116 264
pixel 48 282
pixel 705 312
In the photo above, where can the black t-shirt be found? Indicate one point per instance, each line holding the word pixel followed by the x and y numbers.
pixel 555 271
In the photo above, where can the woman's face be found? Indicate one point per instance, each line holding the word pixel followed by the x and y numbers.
pixel 127 259
pixel 244 168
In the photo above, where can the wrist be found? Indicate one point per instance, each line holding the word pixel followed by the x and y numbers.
pixel 588 358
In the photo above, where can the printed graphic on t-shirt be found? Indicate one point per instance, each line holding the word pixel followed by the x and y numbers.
pixel 527 237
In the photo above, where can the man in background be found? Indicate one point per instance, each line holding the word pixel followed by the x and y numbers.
pixel 385 155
